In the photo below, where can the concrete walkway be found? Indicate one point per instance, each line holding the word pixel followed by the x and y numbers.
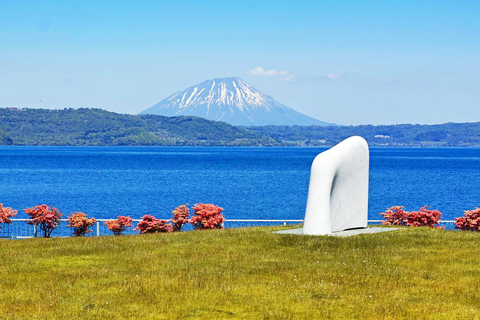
pixel 345 233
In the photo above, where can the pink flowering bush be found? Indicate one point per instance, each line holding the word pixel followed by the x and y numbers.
pixel 470 221
pixel 395 216
pixel 150 224
pixel 119 225
pixel 207 216
pixel 5 214
pixel 45 217
pixel 180 217
pixel 423 217
pixel 80 223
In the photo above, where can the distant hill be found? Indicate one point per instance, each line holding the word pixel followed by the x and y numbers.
pixel 96 127
pixel 401 135
pixel 5 139
pixel 230 100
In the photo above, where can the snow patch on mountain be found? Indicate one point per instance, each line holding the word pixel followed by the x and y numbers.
pixel 231 100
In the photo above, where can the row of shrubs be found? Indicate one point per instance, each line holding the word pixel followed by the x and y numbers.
pixel 430 218
pixel 47 218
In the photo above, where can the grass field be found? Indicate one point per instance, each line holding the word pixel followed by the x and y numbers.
pixel 414 273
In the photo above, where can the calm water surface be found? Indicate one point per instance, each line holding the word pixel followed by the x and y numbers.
pixel 256 183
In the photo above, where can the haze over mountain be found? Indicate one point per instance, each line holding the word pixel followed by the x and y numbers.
pixel 230 100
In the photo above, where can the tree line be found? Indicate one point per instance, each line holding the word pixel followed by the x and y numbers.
pixel 97 127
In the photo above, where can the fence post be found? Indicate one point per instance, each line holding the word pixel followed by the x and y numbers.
pixel 34 230
pixel 98 228
pixel 284 223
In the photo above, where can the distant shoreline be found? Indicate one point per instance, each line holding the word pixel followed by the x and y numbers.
pixel 97 127
pixel 255 147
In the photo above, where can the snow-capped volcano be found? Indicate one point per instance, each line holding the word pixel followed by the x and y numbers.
pixel 231 100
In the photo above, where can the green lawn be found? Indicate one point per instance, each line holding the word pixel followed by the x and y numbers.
pixel 250 273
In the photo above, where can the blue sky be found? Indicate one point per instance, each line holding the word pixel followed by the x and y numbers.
pixel 348 62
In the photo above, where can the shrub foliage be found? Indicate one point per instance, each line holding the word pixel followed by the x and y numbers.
pixel 394 216
pixel 80 223
pixel 150 224
pixel 207 216
pixel 119 225
pixel 45 217
pixel 470 220
pixel 5 214
pixel 423 217
pixel 180 217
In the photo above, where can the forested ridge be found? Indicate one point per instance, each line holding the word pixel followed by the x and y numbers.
pixel 97 127
pixel 401 135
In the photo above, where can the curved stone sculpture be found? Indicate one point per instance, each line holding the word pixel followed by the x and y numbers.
pixel 338 191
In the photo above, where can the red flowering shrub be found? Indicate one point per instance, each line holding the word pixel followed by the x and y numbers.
pixel 120 225
pixel 5 214
pixel 424 217
pixel 470 221
pixel 395 216
pixel 207 216
pixel 180 217
pixel 150 224
pixel 80 223
pixel 45 217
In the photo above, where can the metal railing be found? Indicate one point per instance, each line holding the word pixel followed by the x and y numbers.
pixel 243 223
pixel 20 229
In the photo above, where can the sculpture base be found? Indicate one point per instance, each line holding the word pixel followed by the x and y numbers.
pixel 345 233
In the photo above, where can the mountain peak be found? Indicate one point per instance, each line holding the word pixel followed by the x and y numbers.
pixel 231 100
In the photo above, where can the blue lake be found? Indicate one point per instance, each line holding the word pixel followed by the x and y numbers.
pixel 250 183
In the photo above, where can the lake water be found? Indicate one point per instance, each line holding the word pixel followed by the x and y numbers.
pixel 250 183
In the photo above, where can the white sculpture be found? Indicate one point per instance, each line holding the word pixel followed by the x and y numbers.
pixel 338 191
